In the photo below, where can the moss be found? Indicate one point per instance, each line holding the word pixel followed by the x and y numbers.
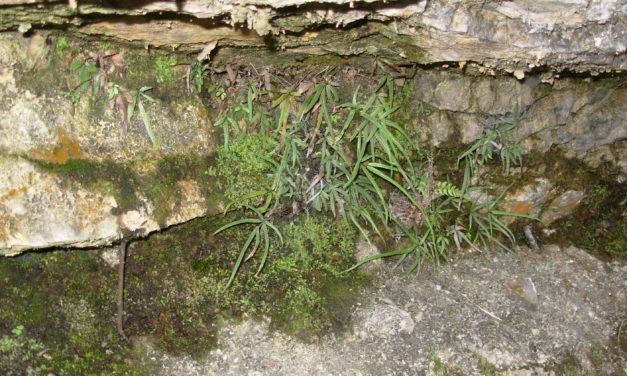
pixel 485 367
pixel 440 368
pixel 65 303
pixel 164 69
pixel 158 71
pixel 61 46
pixel 241 168
pixel 331 60
pixel 161 186
pixel 161 289
pixel 115 179
pixel 569 365
pixel 301 287
pixel 19 352
pixel 597 225
pixel 175 282
pixel 80 167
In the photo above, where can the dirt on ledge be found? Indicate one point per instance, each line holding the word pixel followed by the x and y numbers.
pixel 558 311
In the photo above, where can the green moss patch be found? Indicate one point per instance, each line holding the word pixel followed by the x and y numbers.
pixel 57 317
pixel 241 168
pixel 160 71
pixel 63 303
pixel 301 287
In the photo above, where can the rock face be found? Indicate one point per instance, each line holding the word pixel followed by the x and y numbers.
pixel 38 211
pixel 38 115
pixel 580 119
pixel 76 173
pixel 519 35
pixel 70 175
pixel 575 115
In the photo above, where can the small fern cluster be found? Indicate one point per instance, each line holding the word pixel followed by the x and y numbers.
pixel 96 70
pixel 345 159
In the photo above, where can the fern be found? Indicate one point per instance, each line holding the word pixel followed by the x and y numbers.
pixel 445 188
pixel 343 159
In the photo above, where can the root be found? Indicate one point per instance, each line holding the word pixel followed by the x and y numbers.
pixel 120 293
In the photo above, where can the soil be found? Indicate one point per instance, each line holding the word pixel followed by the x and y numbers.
pixel 556 311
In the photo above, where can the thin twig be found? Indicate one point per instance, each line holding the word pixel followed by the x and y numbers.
pixel 478 306
pixel 120 294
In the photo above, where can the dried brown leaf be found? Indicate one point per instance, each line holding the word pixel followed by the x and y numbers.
pixel 305 86
pixel 231 74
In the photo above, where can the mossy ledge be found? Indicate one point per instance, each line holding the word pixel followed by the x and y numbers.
pixel 128 184
pixel 175 296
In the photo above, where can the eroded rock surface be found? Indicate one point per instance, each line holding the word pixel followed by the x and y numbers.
pixel 37 211
pixel 72 174
pixel 519 35
pixel 575 115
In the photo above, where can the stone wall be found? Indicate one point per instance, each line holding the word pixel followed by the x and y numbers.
pixel 582 117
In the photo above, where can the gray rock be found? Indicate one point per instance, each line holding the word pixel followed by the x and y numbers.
pixel 365 249
pixel 383 320
pixel 42 207
pixel 562 205
pixel 516 35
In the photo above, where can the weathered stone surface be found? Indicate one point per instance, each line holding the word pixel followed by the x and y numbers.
pixel 614 154
pixel 172 33
pixel 71 175
pixel 33 123
pixel 39 210
pixel 583 119
pixel 514 35
pixel 577 116
pixel 529 198
pixel 535 33
pixel 384 320
pixel 562 206
pixel 524 289
pixel 365 249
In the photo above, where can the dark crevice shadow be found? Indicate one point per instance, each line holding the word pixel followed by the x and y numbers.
pixel 128 4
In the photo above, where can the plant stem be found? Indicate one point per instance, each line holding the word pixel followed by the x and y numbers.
pixel 120 293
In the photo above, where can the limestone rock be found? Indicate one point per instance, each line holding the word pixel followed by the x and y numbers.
pixel 529 198
pixel 72 176
pixel 38 210
pixel 514 35
pixel 43 209
pixel 575 115
pixel 562 205
pixel 383 320
pixel 365 249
